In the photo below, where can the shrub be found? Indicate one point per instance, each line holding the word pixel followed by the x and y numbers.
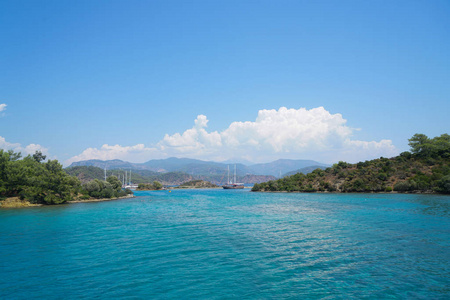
pixel 403 186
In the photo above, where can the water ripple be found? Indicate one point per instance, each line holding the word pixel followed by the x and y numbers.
pixel 222 244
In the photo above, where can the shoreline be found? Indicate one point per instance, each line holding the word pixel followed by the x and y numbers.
pixel 15 202
pixel 336 192
pixel 100 200
pixel 183 188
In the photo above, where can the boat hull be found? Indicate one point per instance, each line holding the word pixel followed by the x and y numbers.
pixel 233 186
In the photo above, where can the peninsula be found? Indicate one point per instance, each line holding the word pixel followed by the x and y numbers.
pixel 426 169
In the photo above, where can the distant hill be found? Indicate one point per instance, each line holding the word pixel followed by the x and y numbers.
pixel 195 167
pixel 305 170
pixel 283 166
pixel 108 164
pixel 87 173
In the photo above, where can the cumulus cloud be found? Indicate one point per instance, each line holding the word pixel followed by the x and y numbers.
pixel 287 133
pixel 29 149
pixel 3 107
pixel 137 153
pixel 283 133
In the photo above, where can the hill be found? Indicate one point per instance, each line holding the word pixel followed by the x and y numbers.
pixel 196 167
pixel 87 173
pixel 108 164
pixel 282 166
pixel 305 170
pixel 426 169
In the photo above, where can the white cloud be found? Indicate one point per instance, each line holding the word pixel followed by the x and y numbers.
pixel 137 153
pixel 29 149
pixel 284 133
pixel 2 108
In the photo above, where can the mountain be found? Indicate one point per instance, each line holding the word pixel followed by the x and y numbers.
pixel 87 173
pixel 191 166
pixel 108 164
pixel 195 167
pixel 282 166
pixel 305 170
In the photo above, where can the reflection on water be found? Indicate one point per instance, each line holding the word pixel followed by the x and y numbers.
pixel 230 244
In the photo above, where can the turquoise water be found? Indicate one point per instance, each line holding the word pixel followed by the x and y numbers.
pixel 222 244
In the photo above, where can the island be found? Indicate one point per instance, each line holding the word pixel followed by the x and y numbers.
pixel 197 184
pixel 426 169
pixel 33 181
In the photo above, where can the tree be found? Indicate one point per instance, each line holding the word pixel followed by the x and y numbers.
pixel 38 156
pixel 419 144
pixel 157 185
pixel 115 182
pixel 444 185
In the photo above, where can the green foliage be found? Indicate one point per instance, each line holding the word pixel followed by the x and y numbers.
pixel 157 185
pixel 150 186
pixel 115 182
pixel 422 146
pixel 36 181
pixel 111 188
pixel 404 186
pixel 425 169
pixel 443 185
pixel 38 156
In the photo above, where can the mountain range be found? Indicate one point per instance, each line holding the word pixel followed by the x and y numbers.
pixel 199 167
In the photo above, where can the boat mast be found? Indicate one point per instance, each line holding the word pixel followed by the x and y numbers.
pixel 234 173
pixel 228 179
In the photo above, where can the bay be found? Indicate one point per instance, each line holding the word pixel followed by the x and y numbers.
pixel 222 244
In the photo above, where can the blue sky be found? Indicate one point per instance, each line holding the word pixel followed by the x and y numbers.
pixel 152 79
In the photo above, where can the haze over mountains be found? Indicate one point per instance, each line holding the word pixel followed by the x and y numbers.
pixel 198 167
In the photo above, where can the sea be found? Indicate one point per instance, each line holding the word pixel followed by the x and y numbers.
pixel 229 244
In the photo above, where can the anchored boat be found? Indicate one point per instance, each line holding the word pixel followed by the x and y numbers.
pixel 232 185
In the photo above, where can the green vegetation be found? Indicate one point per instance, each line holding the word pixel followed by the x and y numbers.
pixel 111 188
pixel 87 173
pixel 36 181
pixel 425 169
pixel 32 180
pixel 198 184
pixel 150 186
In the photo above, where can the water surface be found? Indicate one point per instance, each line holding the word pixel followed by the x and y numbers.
pixel 221 244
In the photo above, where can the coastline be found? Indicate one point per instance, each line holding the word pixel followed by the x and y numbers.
pixel 101 199
pixel 15 202
pixel 339 192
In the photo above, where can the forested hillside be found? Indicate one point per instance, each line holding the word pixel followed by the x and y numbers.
pixel 425 169
pixel 87 173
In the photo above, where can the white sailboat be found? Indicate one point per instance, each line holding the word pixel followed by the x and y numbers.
pixel 231 185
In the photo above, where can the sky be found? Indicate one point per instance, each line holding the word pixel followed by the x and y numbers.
pixel 222 80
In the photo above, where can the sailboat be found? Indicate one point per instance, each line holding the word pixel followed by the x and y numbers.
pixel 232 185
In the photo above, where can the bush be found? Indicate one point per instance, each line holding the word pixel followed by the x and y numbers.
pixel 444 185
pixel 403 186
pixel 382 176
